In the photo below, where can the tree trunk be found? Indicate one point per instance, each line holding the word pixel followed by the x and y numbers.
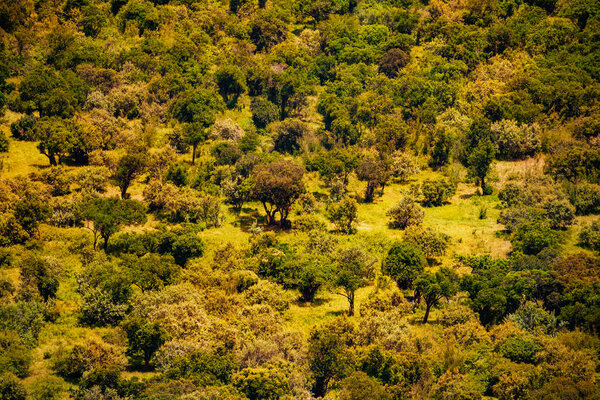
pixel 351 301
pixel 482 185
pixel 124 191
pixel 52 159
pixel 426 317
pixel 194 147
pixel 105 245
pixel 369 192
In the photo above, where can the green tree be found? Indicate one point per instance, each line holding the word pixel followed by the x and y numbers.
pixel 277 185
pixel 328 354
pixel 128 167
pixel 344 215
pixel 354 269
pixel 143 339
pixel 405 213
pixel 480 160
pixel 403 263
pixel 434 287
pixel 263 112
pixel 232 84
pixel 198 108
pixel 106 215
pixel 52 93
pixel 56 137
pixel 375 172
pixel 151 271
pixel 289 133
pixel 262 383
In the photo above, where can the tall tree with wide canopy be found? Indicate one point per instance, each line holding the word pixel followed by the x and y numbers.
pixel 277 185
pixel 106 215
pixel 197 109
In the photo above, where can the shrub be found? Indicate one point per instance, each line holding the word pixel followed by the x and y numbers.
pixel 585 197
pixel 532 317
pixel 14 355
pixel 265 292
pixel 11 388
pixel 307 203
pixel 3 143
pixel 560 213
pixel 403 263
pixel 24 128
pixel 590 236
pixel 88 356
pixel 519 349
pixel 433 243
pixel 98 308
pixel 263 112
pixel 308 223
pixel 437 192
pixel 226 130
pixel 533 237
pixel 514 141
pixel 262 383
pixel 406 213
pixel 344 215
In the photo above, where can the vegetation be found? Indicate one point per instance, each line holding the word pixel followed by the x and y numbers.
pixel 384 199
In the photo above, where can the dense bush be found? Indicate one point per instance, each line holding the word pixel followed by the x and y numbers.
pixel 406 213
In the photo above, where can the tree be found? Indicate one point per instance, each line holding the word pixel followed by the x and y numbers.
pixel 106 215
pixel 231 82
pixel 11 388
pixel 403 263
pixel 433 287
pixel 36 272
pixel 128 168
pixel 289 133
pixel 193 134
pixel 344 215
pixel 405 213
pixel 143 339
pixel 328 354
pixel 262 383
pixel 560 213
pixel 267 29
pixel 436 192
pixel 432 242
pixel 151 271
pixel 198 108
pixel 263 112
pixel 480 160
pixel 375 172
pixel 354 269
pixel 277 186
pixel 238 191
pixel 393 61
pixel 57 138
pixel 52 93
pixel 359 386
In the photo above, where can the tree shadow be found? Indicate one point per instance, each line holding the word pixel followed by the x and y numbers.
pixel 337 313
pixel 308 304
pixel 245 222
